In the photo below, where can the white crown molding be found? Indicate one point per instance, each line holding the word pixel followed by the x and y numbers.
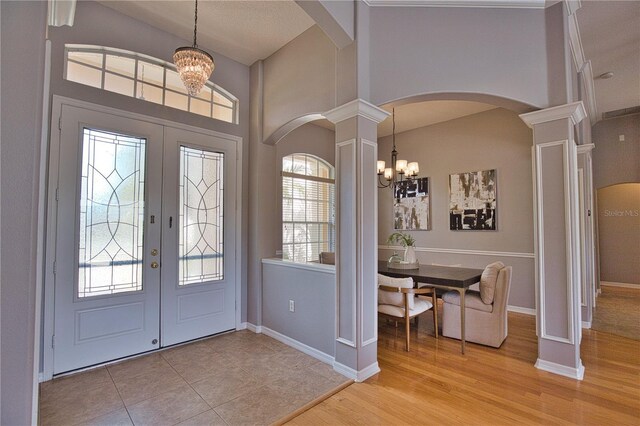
pixel 563 370
pixel 357 107
pixel 573 6
pixel 498 4
pixel 590 92
pixel 585 148
pixel 575 42
pixel 575 111
pixel 462 251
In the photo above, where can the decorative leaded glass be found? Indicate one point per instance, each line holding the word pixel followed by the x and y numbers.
pixel 111 213
pixel 201 216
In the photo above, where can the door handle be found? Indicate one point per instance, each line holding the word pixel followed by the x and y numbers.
pixel 154 265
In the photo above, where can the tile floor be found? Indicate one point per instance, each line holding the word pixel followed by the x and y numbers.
pixel 237 378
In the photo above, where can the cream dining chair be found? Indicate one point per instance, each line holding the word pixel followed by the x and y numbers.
pixel 397 301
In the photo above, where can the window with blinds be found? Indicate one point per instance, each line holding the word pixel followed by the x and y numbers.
pixel 308 207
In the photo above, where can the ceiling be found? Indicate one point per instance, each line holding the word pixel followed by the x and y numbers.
pixel 610 33
pixel 245 31
pixel 249 30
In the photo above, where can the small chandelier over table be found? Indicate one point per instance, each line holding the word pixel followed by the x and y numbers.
pixel 194 65
pixel 400 170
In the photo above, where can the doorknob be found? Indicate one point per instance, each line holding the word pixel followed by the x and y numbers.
pixel 154 265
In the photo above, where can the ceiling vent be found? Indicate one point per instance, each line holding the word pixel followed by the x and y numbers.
pixel 621 112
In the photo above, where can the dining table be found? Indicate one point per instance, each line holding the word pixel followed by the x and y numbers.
pixel 444 277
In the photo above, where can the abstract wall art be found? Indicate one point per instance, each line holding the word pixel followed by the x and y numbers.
pixel 472 201
pixel 411 205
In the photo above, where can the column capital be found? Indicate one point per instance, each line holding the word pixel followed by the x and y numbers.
pixel 575 111
pixel 587 147
pixel 354 108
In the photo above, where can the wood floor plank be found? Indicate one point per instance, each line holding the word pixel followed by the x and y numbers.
pixel 435 384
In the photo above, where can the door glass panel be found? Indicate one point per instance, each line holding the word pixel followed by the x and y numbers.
pixel 201 216
pixel 111 213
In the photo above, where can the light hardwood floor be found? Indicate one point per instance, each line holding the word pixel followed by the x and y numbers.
pixel 434 384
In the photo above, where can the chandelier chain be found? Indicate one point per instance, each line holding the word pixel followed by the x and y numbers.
pixel 195 27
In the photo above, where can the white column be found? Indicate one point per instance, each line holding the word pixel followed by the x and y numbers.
pixel 587 228
pixel 357 235
pixel 557 231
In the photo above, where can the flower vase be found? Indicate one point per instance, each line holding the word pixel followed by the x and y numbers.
pixel 410 254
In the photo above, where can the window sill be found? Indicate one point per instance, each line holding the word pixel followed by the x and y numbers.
pixel 315 267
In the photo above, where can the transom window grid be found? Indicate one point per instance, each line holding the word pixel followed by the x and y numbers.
pixel 111 214
pixel 146 78
pixel 308 208
pixel 201 220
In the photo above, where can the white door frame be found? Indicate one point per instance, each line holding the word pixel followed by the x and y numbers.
pixel 48 317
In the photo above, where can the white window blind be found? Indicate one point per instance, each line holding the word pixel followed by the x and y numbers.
pixel 308 208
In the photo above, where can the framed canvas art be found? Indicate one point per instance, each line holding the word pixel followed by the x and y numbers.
pixel 411 206
pixel 472 201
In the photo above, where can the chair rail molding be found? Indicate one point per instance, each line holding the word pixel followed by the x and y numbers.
pixel 463 251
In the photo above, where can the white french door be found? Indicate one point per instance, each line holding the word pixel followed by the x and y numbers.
pixel 144 236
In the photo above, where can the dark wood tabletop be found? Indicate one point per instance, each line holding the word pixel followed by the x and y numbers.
pixel 451 276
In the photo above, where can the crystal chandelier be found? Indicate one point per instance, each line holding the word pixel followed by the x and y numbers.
pixel 194 65
pixel 399 170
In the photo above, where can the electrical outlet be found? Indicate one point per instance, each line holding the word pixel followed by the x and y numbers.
pixel 292 306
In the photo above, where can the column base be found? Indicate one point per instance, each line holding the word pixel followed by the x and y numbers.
pixel 563 370
pixel 357 375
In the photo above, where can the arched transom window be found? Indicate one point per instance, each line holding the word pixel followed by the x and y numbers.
pixel 308 207
pixel 146 78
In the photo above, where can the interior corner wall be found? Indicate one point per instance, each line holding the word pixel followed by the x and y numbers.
pixel 616 161
pixel 22 30
pixel 429 50
pixel 495 139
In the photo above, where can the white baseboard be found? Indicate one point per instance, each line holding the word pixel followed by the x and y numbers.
pixel 358 376
pixel 563 370
pixel 319 355
pixel 521 310
pixel 242 326
pixel 623 285
pixel 40 377
pixel 586 324
pixel 254 328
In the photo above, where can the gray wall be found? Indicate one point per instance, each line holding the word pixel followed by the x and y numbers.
pixel 314 295
pixel 416 50
pixel 615 161
pixel 294 86
pixel 619 225
pixel 23 25
pixel 495 139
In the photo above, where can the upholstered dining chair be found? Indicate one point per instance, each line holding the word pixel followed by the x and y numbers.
pixel 485 310
pixel 397 301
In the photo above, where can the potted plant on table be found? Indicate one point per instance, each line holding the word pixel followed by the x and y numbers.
pixel 406 241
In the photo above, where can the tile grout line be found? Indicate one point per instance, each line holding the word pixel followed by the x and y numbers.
pixel 119 395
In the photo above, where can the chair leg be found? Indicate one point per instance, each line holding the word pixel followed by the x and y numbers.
pixel 406 318
pixel 435 311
